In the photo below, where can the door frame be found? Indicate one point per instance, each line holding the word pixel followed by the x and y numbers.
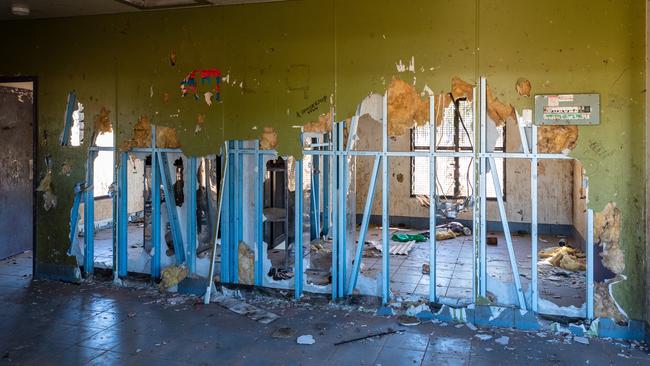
pixel 34 81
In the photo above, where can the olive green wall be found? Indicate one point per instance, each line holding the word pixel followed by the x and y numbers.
pixel 281 57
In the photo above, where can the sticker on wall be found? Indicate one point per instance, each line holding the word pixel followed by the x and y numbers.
pixel 189 84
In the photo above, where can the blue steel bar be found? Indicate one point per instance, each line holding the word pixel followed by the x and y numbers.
pixel 326 190
pixel 155 212
pixel 482 275
pixel 172 214
pixel 89 216
pixel 298 267
pixel 590 264
pixel 335 213
pixel 238 203
pixel 225 219
pixel 364 226
pixel 343 168
pixel 385 255
pixel 191 217
pixel 259 219
pixel 533 219
pixel 432 200
pixel 122 217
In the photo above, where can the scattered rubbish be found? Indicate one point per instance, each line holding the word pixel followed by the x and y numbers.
pixel 279 274
pixel 306 339
pixel 458 326
pixel 284 332
pixel 492 240
pixel 381 334
pixel 404 237
pixel 561 242
pixel 483 337
pixel 425 268
pixel 503 340
pixel 243 308
pixel 471 327
pixel 564 257
pixel 488 349
pixel 414 310
pixel 407 320
pixel 583 340
pixel 398 248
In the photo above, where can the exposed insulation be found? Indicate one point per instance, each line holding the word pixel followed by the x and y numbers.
pixel 564 257
pixel 461 89
pixel 45 186
pixel 246 264
pixel 604 304
pixel 323 124
pixel 607 232
pixel 102 122
pixel 141 135
pixel 523 87
pixel 403 104
pixel 556 139
pixel 166 138
pixel 172 275
pixel 269 139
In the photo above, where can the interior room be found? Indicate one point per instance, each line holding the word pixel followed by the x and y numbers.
pixel 324 182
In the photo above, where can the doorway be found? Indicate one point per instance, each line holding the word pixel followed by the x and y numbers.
pixel 17 136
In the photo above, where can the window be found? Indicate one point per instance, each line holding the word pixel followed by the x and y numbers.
pixel 455 176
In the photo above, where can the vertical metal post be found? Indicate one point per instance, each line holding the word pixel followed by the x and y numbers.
pixel 155 210
pixel 89 216
pixel 172 213
pixel 385 220
pixel 590 264
pixel 533 218
pixel 122 217
pixel 482 189
pixel 432 200
pixel 335 212
pixel 298 267
pixel 191 217
pixel 225 215
pixel 475 198
pixel 342 224
pixel 238 203
pixel 259 217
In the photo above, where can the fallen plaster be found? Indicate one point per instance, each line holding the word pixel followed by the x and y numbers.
pixel 269 139
pixel 172 276
pixel 45 186
pixel 556 139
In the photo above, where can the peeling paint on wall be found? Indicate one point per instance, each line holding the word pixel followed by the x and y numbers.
pixel 607 232
pixel 557 139
pixel 166 138
pixel 269 139
pixel 45 186
pixel 246 264
pixel 141 135
pixel 523 87
pixel 102 122
pixel 322 125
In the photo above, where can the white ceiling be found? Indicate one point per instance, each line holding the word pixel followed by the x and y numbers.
pixel 68 8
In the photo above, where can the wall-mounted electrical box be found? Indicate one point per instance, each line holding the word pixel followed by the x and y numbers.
pixel 567 109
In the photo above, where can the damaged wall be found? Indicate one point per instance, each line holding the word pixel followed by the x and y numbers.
pixel 281 70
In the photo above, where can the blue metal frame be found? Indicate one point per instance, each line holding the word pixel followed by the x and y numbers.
pixel 122 217
pixel 335 214
pixel 191 216
pixel 298 242
pixel 238 201
pixel 385 219
pixel 432 201
pixel 259 217
pixel 89 216
pixel 155 210
pixel 226 220
pixel 342 207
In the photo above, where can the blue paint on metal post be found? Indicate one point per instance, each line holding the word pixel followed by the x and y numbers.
pixel 155 213
pixel 335 212
pixel 239 202
pixel 259 217
pixel 342 224
pixel 298 267
pixel 191 217
pixel 364 226
pixel 225 218
pixel 315 194
pixel 385 221
pixel 89 216
pixel 590 264
pixel 432 200
pixel 122 217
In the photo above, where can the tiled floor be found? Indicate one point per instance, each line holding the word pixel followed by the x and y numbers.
pixel 454 261
pixel 53 323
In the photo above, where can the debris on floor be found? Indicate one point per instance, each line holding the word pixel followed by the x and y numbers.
pixel 241 307
pixel 172 275
pixel 503 340
pixel 306 339
pixel 426 269
pixel 279 274
pixel 492 240
pixel 564 257
pixel 404 237
pixel 396 248
pixel 284 332
pixel 407 320
pixel 380 334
